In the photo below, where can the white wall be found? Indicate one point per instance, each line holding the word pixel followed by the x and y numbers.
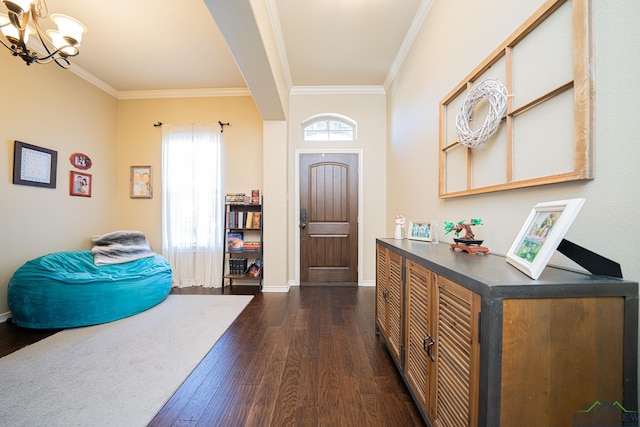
pixel 455 37
pixel 369 111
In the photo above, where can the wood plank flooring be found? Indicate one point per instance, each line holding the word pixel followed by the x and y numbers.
pixel 309 357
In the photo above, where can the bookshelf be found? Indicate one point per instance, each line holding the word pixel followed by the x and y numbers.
pixel 242 259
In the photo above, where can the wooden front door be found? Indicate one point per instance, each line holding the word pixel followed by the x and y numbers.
pixel 328 218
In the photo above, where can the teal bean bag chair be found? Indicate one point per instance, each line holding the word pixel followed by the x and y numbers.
pixel 67 289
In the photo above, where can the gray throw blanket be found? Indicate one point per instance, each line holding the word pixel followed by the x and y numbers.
pixel 119 247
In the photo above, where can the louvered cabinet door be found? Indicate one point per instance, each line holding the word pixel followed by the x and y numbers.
pixel 418 365
pixel 457 355
pixel 382 289
pixel 395 304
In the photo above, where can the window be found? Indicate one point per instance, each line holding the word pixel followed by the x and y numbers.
pixel 328 127
pixel 192 203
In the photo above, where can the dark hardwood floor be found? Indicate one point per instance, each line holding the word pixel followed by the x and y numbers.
pixel 306 358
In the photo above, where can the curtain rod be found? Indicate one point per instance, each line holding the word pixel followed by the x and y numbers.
pixel 222 125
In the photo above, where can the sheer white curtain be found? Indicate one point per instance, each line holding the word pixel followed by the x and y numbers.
pixel 192 204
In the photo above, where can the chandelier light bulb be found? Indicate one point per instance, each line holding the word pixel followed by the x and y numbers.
pixel 11 32
pixel 4 21
pixel 61 43
pixel 18 6
pixel 70 29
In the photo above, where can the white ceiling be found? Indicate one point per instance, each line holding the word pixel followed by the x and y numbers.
pixel 175 45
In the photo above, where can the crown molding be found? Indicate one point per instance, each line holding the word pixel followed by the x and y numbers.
pixel 338 90
pixel 84 74
pixel 184 93
pixel 416 24
pixel 151 94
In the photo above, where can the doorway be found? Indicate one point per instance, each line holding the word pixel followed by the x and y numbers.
pixel 328 218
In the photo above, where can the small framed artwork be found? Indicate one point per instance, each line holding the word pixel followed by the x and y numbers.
pixel 80 161
pixel 541 234
pixel 35 166
pixel 141 184
pixel 420 230
pixel 80 184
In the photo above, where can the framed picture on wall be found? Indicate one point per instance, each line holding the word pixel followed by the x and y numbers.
pixel 80 184
pixel 420 230
pixel 33 165
pixel 141 183
pixel 541 234
pixel 80 161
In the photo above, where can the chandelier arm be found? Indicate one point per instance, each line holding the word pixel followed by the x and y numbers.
pixel 39 31
pixel 66 65
pixel 17 50
pixel 12 49
pixel 50 52
pixel 21 27
pixel 52 56
pixel 14 19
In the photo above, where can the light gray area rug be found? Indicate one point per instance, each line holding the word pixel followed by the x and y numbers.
pixel 116 374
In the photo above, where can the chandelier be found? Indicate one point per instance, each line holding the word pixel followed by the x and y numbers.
pixel 21 21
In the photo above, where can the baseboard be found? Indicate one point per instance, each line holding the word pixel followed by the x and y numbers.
pixel 293 283
pixel 268 288
pixel 363 283
pixel 5 316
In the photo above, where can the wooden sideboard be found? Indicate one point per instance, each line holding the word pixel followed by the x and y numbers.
pixel 478 343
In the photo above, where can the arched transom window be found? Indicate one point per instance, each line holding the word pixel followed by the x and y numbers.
pixel 328 127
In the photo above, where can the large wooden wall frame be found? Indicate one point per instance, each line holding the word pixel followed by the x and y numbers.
pixel 462 170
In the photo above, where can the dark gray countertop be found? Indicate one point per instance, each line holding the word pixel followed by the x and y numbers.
pixel 491 275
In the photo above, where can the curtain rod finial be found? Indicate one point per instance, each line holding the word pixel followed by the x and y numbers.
pixel 222 125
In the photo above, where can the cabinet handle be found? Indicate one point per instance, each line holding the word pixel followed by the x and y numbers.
pixel 385 294
pixel 427 342
pixel 424 341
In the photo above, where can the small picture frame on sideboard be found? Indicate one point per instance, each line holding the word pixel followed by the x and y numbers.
pixel 420 230
pixel 541 234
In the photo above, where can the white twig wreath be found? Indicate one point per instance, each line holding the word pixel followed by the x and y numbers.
pixel 496 95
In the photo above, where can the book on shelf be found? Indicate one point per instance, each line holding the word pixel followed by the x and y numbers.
pixel 252 246
pixel 255 197
pixel 253 220
pixel 237 198
pixel 256 220
pixel 255 269
pixel 237 265
pixel 244 219
pixel 248 222
pixel 234 220
pixel 235 241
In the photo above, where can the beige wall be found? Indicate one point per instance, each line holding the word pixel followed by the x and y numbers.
pixel 275 225
pixel 440 58
pixel 140 143
pixel 368 110
pixel 47 106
